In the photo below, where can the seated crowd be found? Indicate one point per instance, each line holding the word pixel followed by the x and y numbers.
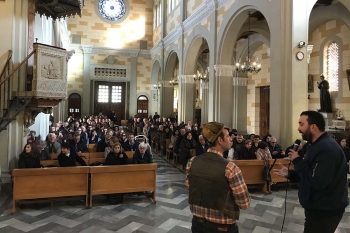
pixel 71 137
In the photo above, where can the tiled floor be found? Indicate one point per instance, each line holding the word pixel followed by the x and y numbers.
pixel 138 214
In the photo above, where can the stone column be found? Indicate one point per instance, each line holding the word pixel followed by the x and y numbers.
pixel 87 97
pixel 133 85
pixel 187 98
pixel 205 98
pixel 222 87
pixel 288 26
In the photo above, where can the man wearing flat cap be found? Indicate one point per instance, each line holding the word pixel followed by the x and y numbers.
pixel 216 186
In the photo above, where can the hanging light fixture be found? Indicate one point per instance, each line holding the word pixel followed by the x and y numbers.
pixel 248 65
pixel 201 76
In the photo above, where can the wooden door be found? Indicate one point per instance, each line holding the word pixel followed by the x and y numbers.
pixel 110 96
pixel 74 105
pixel 264 115
pixel 142 106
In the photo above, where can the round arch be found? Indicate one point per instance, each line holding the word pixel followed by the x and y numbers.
pixel 193 44
pixel 155 76
pixel 236 17
pixel 322 15
pixel 256 40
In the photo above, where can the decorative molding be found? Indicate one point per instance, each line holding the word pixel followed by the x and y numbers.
pixel 309 51
pixel 222 3
pixel 115 78
pixel 174 34
pixel 157 48
pixel 196 17
pixel 187 78
pixel 224 70
pixel 86 48
pixel 268 51
pixel 212 5
pixel 238 81
pixel 110 51
pixel 70 54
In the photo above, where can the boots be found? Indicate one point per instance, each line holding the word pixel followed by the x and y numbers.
pixel 267 188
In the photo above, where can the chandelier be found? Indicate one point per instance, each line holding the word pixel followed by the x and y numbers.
pixel 202 76
pixel 248 65
pixel 173 82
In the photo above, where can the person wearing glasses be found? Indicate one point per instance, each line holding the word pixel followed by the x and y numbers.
pixel 275 149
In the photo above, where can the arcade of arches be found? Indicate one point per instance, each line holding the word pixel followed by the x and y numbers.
pixel 180 57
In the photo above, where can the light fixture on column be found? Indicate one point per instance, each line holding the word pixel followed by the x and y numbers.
pixel 156 87
pixel 173 82
pixel 202 76
pixel 248 65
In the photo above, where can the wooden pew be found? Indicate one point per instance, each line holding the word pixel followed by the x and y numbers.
pixel 54 156
pixel 36 183
pixel 123 179
pixel 252 170
pixel 93 155
pixel 46 163
pixel 130 155
pixel 92 147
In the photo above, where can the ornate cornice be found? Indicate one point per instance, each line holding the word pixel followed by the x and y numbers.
pixel 157 48
pixel 222 3
pixel 196 17
pixel 309 51
pixel 238 81
pixel 88 49
pixel 224 70
pixel 174 34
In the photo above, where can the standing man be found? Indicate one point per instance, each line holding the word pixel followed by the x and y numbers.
pixel 216 186
pixel 323 191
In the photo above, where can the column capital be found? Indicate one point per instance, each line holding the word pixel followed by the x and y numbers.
pixel 224 70
pixel 309 51
pixel 87 49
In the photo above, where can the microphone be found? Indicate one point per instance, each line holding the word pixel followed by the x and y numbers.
pixel 296 144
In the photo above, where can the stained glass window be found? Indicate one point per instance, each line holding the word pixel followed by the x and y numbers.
pixel 112 10
pixel 116 94
pixel 332 66
pixel 103 94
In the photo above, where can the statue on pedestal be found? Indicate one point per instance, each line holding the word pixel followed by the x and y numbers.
pixel 325 98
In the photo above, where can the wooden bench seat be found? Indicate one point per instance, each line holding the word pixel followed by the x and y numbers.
pixel 36 183
pixel 123 179
pixel 252 170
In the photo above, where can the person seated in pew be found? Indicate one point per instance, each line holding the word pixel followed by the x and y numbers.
pixel 117 156
pixel 79 146
pixel 131 144
pixel 43 154
pixel 142 156
pixel 68 157
pixel 29 158
pixel 247 152
pixel 111 143
pixel 202 146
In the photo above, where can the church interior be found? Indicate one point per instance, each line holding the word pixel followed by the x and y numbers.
pixel 253 65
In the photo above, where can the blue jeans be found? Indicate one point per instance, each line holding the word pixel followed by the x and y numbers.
pixel 200 225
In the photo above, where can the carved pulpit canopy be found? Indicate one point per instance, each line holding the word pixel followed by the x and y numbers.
pixel 57 9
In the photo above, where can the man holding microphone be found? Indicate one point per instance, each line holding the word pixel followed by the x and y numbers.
pixel 322 174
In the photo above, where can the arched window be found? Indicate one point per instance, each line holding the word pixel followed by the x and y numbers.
pixel 142 106
pixel 331 65
pixel 74 104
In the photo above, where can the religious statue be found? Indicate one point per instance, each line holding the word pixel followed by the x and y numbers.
pixel 325 98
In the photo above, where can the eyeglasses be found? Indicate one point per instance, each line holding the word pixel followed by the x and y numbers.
pixel 273 142
pixel 124 135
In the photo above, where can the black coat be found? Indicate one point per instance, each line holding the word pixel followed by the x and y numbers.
pixel 80 147
pixel 101 146
pixel 138 159
pixel 70 161
pixel 200 150
pixel 128 147
pixel 27 161
pixel 113 159
pixel 246 154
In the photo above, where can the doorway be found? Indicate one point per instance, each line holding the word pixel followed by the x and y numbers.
pixel 110 96
pixel 74 105
pixel 264 113
pixel 142 106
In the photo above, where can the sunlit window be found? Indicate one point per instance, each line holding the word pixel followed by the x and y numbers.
pixel 172 4
pixel 116 94
pixel 331 58
pixel 103 93
pixel 157 14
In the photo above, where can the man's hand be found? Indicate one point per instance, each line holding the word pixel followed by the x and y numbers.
pixel 283 171
pixel 293 154
pixel 275 152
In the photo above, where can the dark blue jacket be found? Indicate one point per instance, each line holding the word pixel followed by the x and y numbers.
pixel 322 175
